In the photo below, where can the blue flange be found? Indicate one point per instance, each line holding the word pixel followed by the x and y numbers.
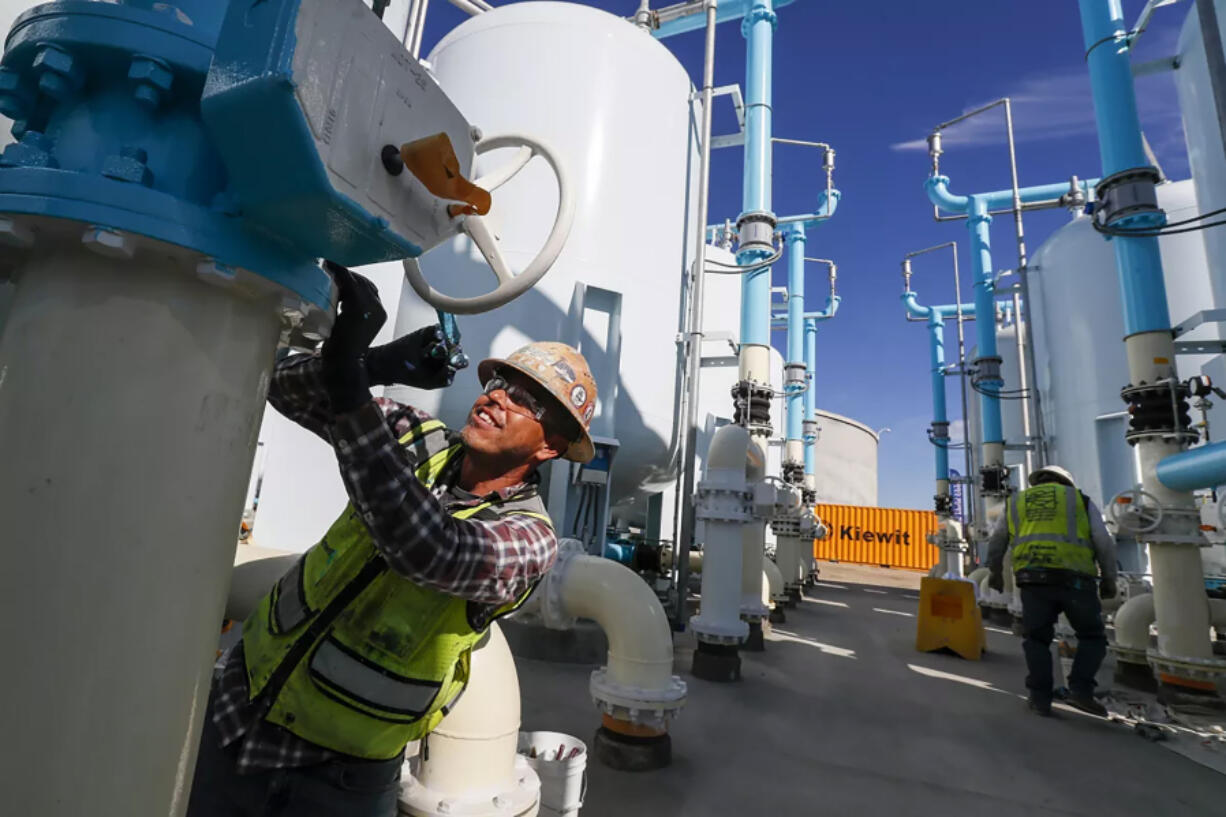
pixel 106 102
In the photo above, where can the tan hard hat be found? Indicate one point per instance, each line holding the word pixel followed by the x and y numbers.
pixel 1055 471
pixel 563 373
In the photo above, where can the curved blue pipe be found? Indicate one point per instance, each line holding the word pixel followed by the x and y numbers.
pixel 940 195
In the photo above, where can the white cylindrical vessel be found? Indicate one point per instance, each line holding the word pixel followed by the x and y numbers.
pixel 1204 140
pixel 130 397
pixel 846 461
pixel 615 105
pixel 1078 327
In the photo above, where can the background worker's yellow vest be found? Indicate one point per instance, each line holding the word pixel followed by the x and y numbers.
pixel 1049 529
pixel 356 658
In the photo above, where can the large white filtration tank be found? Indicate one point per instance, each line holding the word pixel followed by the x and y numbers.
pixel 615 104
pixel 1204 139
pixel 846 461
pixel 1079 332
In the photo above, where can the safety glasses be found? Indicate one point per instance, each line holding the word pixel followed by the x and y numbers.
pixel 517 394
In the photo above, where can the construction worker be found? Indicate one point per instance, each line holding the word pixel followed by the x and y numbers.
pixel 1057 536
pixel 365 643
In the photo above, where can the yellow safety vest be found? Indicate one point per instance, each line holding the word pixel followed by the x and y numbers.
pixel 1049 529
pixel 356 658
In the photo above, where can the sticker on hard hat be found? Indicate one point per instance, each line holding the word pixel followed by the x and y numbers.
pixel 564 371
pixel 578 396
pixel 588 412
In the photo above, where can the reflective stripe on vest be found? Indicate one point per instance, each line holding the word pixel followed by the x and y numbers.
pixel 351 676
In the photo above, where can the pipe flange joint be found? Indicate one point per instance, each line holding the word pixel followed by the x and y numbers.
pixel 793 472
pixel 1159 410
pixel 520 797
pixel 757 14
pixel 986 370
pixel 756 232
pixel 994 481
pixel 724 634
pixel 1130 655
pixel 1129 199
pixel 718 502
pixel 811 430
pixel 637 705
pixel 794 379
pixel 754 613
pixel 1199 669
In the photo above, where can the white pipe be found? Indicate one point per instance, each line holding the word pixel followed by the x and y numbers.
pixel 772 584
pixel 1217 615
pixel 1132 623
pixel 470 760
pixel 131 395
pixel 979 574
pixel 626 608
pixel 256 570
pixel 722 506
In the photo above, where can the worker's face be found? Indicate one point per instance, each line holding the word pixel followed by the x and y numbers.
pixel 498 427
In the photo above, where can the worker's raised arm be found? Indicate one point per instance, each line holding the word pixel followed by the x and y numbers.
pixel 1104 544
pixel 492 562
pixel 297 391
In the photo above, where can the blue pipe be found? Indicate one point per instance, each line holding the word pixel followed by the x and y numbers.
pixel 795 239
pixel 1142 287
pixel 936 357
pixel 936 316
pixel 811 393
pixel 1203 467
pixel 758 27
pixel 979 223
pixel 939 194
pixel 727 10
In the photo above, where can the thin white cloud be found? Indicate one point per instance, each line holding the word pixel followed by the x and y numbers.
pixel 1057 105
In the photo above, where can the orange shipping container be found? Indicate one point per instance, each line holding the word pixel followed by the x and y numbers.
pixel 889 537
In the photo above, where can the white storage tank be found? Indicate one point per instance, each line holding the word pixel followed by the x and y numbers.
pixel 846 461
pixel 615 103
pixel 1204 140
pixel 1079 331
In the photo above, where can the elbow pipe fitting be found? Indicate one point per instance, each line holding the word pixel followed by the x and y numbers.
pixel 938 194
pixel 1132 623
pixel 911 301
pixel 637 684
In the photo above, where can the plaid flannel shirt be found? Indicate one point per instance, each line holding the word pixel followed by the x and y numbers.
pixel 492 562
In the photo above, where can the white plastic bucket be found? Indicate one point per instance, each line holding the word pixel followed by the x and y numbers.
pixel 563 781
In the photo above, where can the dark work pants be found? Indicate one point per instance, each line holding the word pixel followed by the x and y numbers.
pixel 1041 606
pixel 353 788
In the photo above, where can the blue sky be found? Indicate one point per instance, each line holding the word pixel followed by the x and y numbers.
pixel 872 79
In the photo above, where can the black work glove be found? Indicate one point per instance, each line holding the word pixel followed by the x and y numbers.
pixel 420 359
pixel 1107 589
pixel 996 581
pixel 360 316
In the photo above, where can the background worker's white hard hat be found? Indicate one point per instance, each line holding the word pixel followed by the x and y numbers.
pixel 1050 473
